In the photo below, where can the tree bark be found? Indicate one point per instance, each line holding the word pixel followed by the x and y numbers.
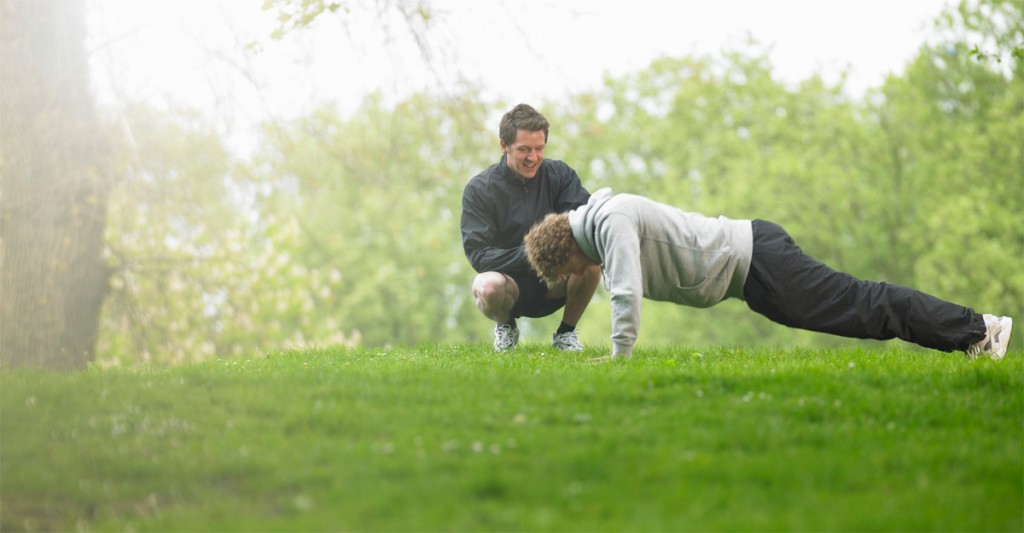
pixel 55 184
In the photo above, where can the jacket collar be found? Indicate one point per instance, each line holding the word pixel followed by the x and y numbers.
pixel 505 173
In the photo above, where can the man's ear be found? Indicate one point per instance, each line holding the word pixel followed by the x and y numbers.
pixel 504 149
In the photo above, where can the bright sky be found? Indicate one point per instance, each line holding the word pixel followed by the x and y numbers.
pixel 193 52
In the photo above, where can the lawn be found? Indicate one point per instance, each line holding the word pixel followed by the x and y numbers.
pixel 457 438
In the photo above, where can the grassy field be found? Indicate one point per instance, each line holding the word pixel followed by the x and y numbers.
pixel 456 438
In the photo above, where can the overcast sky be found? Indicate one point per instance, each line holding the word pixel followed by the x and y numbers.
pixel 200 53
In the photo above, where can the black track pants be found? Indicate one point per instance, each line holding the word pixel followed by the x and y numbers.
pixel 795 290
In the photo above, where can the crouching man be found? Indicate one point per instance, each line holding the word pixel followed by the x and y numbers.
pixel 648 249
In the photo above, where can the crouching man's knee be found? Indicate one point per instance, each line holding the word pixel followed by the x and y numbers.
pixel 495 294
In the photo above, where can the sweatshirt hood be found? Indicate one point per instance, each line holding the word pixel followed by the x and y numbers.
pixel 582 221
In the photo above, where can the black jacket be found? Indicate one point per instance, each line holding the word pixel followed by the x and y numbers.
pixel 499 208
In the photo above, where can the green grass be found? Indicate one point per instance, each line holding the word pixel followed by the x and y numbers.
pixel 455 438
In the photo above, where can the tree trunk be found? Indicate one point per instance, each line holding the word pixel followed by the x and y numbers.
pixel 54 187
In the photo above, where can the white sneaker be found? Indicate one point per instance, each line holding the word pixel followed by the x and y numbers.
pixel 567 342
pixel 506 337
pixel 997 338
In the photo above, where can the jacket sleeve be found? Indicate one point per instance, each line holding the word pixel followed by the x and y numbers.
pixel 624 277
pixel 478 237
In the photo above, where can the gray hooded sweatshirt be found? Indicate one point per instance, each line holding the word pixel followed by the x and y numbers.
pixel 649 249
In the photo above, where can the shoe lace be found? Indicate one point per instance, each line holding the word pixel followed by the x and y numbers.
pixel 504 334
pixel 569 338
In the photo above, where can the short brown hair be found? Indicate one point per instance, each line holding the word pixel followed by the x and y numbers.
pixel 548 245
pixel 521 117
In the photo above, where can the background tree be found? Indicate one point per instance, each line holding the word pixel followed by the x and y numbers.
pixel 954 126
pixel 342 231
pixel 56 179
pixel 376 199
pixel 178 241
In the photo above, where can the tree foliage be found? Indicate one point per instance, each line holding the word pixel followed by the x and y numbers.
pixel 176 243
pixel 376 198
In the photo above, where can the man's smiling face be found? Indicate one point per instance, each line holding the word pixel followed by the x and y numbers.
pixel 526 153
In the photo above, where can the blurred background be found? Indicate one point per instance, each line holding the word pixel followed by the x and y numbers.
pixel 185 180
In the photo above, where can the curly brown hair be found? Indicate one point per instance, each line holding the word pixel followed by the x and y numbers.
pixel 548 245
